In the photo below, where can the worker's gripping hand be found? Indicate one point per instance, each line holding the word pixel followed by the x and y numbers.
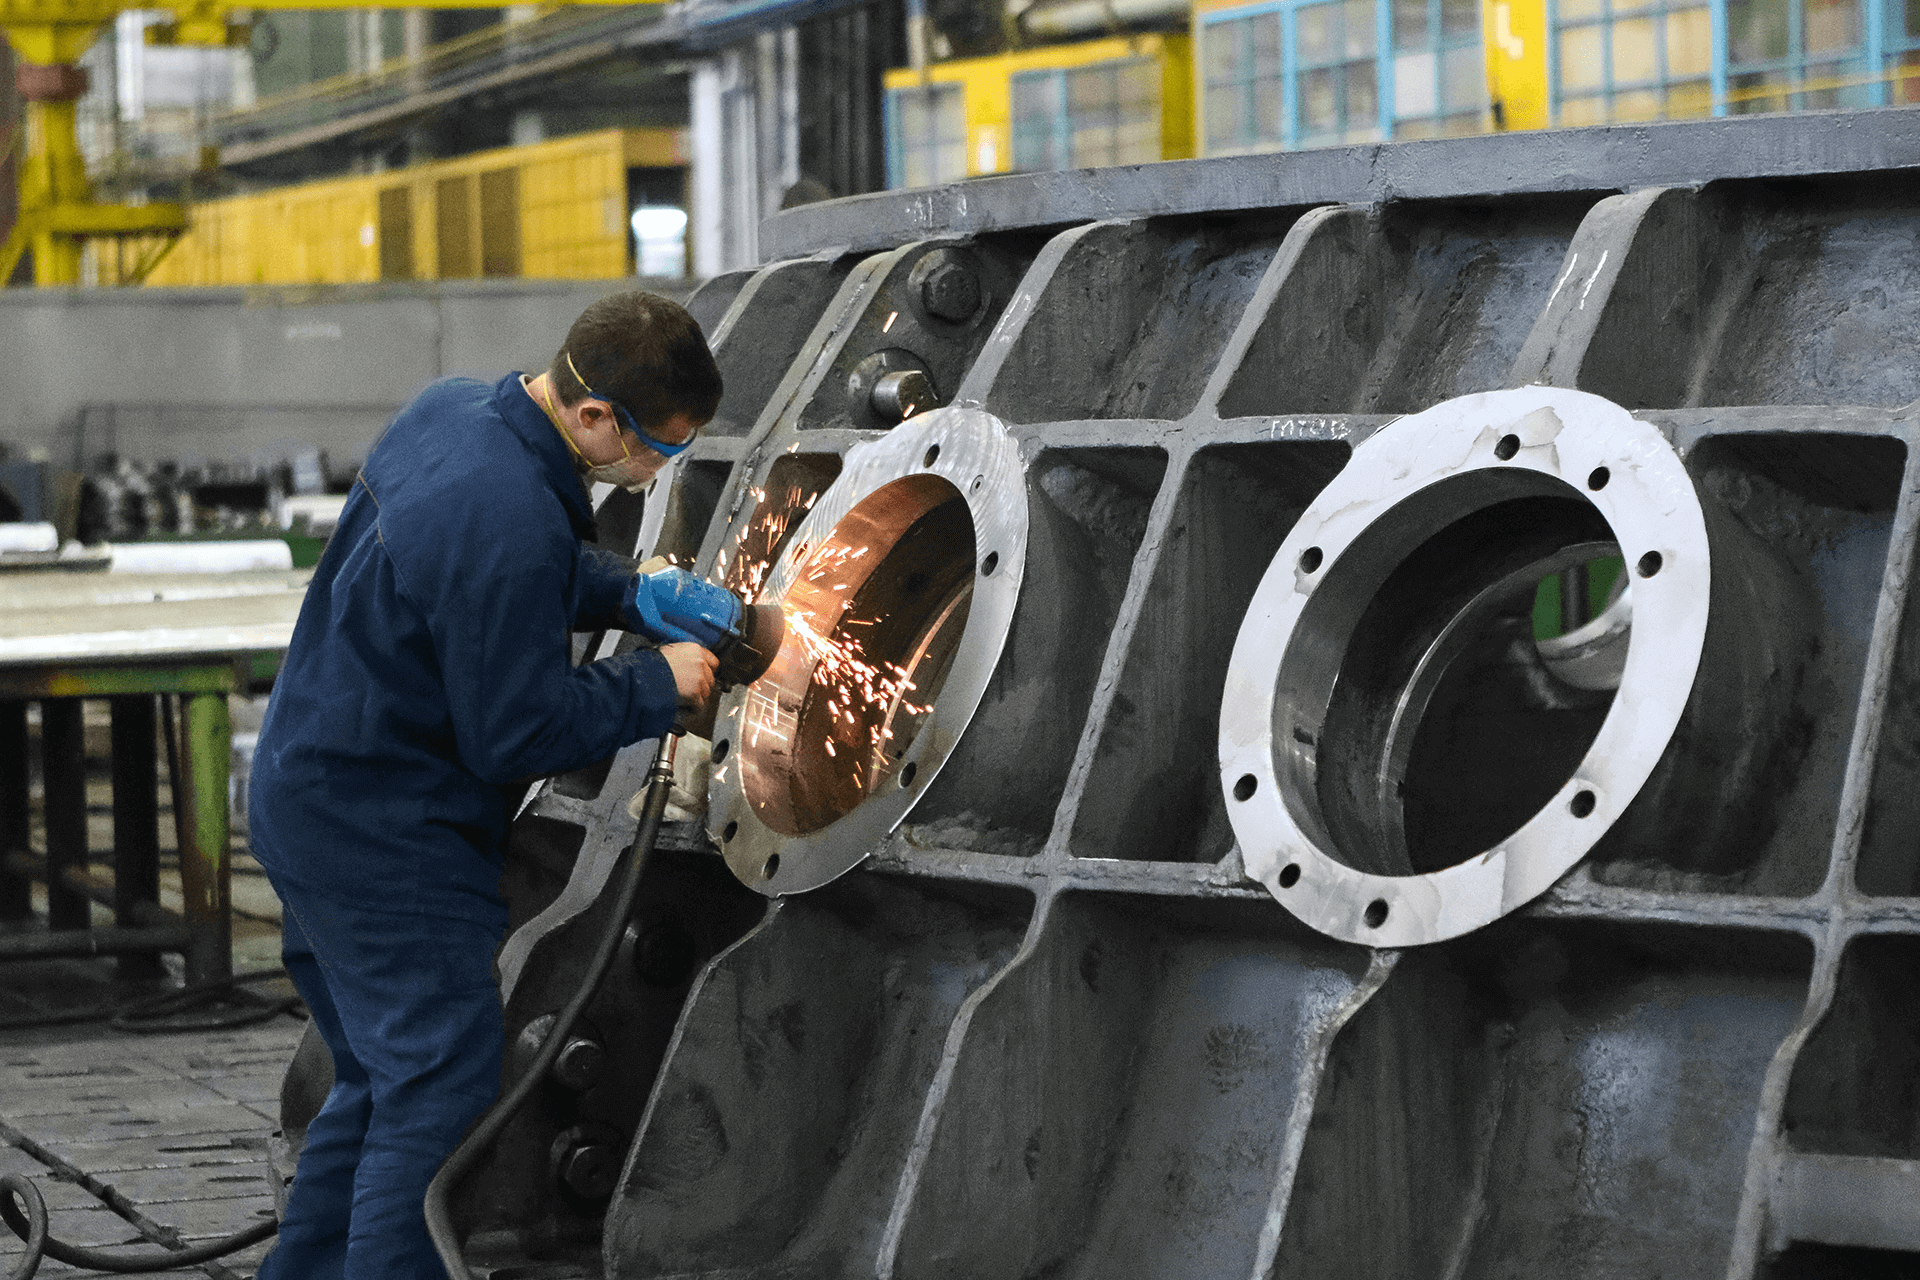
pixel 693 668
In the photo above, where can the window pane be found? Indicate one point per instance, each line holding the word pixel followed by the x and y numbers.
pixel 1409 129
pixel 1757 29
pixel 1358 21
pixel 1266 45
pixel 1317 29
pixel 1459 17
pixel 1641 104
pixel 1578 10
pixel 1137 142
pixel 1220 50
pixel 1090 90
pixel 1749 93
pixel 1416 91
pixel 1463 75
pixel 1633 53
pixel 1581 63
pixel 1035 106
pixel 1409 24
pixel 1363 98
pixel 1913 21
pixel 1266 110
pixel 1319 101
pixel 1830 25
pixel 1579 111
pixel 1223 117
pixel 1689 100
pixel 1690 42
pixel 1906 90
pixel 1137 86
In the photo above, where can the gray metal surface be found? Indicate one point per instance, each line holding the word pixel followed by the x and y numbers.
pixel 1051 1025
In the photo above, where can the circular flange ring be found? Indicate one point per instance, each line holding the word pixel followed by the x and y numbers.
pixel 1403 485
pixel 970 451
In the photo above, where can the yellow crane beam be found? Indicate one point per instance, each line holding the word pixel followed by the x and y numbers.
pixel 57 213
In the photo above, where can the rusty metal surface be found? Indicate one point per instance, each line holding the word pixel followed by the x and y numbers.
pixel 1053 1024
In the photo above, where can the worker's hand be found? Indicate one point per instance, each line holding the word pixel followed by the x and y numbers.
pixel 693 667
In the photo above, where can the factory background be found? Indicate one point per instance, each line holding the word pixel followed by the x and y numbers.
pixel 346 146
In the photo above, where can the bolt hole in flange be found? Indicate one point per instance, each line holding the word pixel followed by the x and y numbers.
pixel 893 629
pixel 1397 725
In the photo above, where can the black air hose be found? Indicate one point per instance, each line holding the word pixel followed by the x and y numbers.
pixel 460 1163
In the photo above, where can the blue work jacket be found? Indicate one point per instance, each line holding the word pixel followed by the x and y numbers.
pixel 429 677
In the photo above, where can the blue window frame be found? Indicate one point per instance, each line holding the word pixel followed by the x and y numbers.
pixel 1798 55
pixel 926 132
pixel 1311 73
pixel 1102 113
pixel 1632 60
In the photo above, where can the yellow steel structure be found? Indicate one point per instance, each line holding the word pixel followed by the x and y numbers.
pixel 987 87
pixel 1514 35
pixel 57 212
pixel 551 210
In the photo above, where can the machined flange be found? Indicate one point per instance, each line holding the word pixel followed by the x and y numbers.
pixel 900 586
pixel 1431 539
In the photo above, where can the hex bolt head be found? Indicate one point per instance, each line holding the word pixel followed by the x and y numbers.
pixel 950 292
pixel 580 1063
pixel 590 1170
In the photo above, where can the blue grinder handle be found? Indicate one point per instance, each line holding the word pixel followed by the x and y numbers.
pixel 672 606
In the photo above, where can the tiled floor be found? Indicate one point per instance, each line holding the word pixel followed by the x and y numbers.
pixel 177 1125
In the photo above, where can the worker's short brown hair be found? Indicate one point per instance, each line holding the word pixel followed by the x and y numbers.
pixel 645 353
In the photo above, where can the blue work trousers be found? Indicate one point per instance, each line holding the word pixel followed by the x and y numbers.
pixel 410 1010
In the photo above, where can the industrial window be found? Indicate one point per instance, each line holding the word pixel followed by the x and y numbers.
pixel 500 222
pixel 1633 60
pixel 453 223
pixel 1439 69
pixel 1903 60
pixel 1796 55
pixel 1105 113
pixel 1297 74
pixel 926 135
pixel 396 233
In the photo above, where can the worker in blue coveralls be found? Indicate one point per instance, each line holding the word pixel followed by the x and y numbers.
pixel 428 681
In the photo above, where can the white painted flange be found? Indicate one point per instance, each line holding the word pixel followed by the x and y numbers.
pixel 1282 673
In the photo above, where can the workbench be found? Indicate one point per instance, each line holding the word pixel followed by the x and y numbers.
pixel 148 644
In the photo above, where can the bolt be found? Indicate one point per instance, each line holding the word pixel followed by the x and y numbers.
pixel 899 395
pixel 950 292
pixel 579 1064
pixel 590 1169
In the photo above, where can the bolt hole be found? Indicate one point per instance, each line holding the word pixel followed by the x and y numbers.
pixel 1508 446
pixel 1290 875
pixel 1597 478
pixel 1310 559
pixel 1376 913
pixel 1582 804
pixel 933 455
pixel 977 482
pixel 1244 788
pixel 720 750
pixel 991 563
pixel 771 867
pixel 906 773
pixel 1649 564
pixel 733 829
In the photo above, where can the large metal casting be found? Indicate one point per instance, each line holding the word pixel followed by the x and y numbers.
pixel 1593 941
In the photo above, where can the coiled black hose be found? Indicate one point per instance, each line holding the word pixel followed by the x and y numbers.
pixel 28 1219
pixel 460 1163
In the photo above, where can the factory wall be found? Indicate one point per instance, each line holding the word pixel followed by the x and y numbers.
pixel 230 374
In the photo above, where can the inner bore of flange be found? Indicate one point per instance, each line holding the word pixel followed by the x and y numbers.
pixel 875 616
pixel 1446 728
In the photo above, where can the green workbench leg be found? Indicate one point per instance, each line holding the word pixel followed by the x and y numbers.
pixel 205 868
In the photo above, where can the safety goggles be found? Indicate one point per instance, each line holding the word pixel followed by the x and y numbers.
pixel 625 419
